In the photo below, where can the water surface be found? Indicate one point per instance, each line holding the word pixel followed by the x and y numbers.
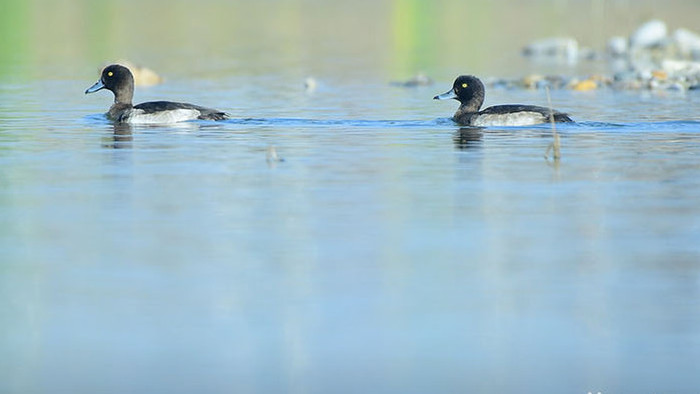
pixel 390 250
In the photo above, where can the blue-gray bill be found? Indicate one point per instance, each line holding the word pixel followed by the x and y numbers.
pixel 97 86
pixel 446 96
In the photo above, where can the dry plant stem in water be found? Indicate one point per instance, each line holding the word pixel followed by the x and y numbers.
pixel 555 146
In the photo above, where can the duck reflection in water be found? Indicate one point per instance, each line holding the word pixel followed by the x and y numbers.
pixel 468 138
pixel 122 133
pixel 120 138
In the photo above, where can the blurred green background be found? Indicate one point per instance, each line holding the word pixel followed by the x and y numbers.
pixel 390 38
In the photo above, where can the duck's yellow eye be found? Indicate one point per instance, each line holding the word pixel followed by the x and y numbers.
pixel 109 74
pixel 464 85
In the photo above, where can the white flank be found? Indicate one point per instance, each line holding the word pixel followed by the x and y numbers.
pixel 137 116
pixel 522 118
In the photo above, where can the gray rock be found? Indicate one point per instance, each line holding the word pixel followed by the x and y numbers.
pixel 559 47
pixel 687 41
pixel 676 86
pixel 617 46
pixel 418 80
pixel 650 34
pixel 695 54
pixel 680 66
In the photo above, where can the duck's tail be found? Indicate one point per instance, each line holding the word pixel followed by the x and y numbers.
pixel 562 117
pixel 213 116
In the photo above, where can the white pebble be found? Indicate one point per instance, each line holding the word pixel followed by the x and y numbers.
pixel 310 84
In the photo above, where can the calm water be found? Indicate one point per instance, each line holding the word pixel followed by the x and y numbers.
pixel 389 251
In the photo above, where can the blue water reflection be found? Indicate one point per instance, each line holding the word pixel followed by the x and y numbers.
pixel 391 251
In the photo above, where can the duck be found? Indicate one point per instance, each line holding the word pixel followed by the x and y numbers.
pixel 120 81
pixel 470 92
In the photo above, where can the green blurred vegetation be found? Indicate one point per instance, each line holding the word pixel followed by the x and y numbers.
pixel 386 38
pixel 14 43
